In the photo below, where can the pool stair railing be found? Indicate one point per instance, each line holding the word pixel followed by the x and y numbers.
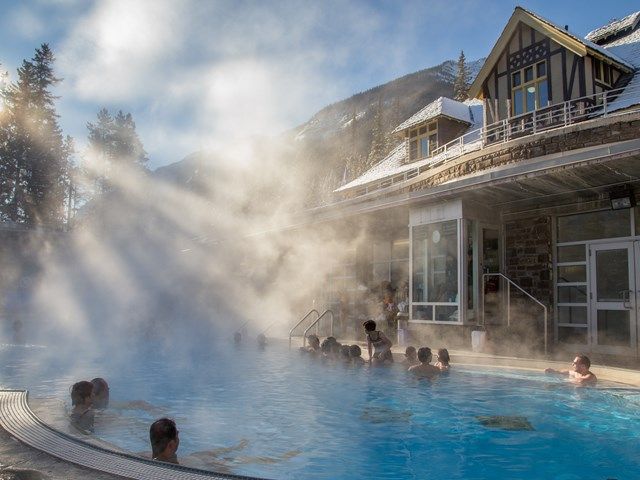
pixel 19 421
pixel 510 283
pixel 315 323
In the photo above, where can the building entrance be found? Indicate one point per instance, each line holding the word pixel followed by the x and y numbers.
pixel 614 297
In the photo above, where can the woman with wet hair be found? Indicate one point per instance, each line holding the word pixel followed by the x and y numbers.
pixel 82 415
pixel 100 393
pixel 378 344
pixel 443 360
pixel 314 345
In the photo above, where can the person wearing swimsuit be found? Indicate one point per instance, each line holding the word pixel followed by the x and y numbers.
pixel 378 342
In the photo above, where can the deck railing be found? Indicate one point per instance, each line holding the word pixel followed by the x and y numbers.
pixel 559 115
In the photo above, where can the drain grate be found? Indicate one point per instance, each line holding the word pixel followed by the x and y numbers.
pixel 20 422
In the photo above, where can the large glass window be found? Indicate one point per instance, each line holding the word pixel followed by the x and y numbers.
pixel 391 264
pixel 529 89
pixel 594 225
pixel 435 271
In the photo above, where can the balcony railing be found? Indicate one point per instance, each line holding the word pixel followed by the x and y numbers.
pixel 559 115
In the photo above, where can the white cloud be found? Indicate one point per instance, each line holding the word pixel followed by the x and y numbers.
pixel 26 23
pixel 119 49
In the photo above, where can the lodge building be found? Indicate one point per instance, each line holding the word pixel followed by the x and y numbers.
pixel 516 209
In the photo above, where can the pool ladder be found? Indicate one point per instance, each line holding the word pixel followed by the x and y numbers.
pixel 319 316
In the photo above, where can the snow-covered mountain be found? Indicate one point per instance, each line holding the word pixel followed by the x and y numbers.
pixel 346 138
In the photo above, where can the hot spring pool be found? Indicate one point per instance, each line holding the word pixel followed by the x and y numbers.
pixel 291 417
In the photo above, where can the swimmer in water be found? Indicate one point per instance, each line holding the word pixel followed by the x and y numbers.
pixel 410 357
pixel 82 415
pixel 425 369
pixel 443 360
pixel 579 373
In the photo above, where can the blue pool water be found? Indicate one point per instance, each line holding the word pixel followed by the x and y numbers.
pixel 290 417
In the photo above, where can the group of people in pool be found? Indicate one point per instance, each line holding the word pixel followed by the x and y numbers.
pixel 419 362
pixel 87 397
pixel 379 351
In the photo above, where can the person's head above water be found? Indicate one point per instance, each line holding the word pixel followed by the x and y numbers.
pixel 424 355
pixel 81 393
pixel 581 364
pixel 410 352
pixel 345 351
pixel 314 341
pixel 443 356
pixel 369 326
pixel 355 351
pixel 100 393
pixel 164 439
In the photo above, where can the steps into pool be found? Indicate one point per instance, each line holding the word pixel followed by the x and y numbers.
pixel 17 418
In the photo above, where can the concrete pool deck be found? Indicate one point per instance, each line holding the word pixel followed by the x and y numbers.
pixel 21 462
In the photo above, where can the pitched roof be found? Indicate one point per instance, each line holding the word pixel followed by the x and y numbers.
pixel 570 41
pixel 443 106
pixel 614 27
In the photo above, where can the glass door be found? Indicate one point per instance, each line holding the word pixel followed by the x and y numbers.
pixel 613 302
pixel 489 248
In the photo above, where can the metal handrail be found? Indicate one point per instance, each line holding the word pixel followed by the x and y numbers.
pixel 304 336
pixel 302 320
pixel 557 115
pixel 241 327
pixel 509 283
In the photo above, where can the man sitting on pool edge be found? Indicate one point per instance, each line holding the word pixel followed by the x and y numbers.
pixel 163 435
pixel 580 373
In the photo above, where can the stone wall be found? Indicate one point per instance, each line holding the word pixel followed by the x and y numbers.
pixel 529 263
pixel 528 256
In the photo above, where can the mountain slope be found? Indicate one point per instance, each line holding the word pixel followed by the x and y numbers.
pixel 344 139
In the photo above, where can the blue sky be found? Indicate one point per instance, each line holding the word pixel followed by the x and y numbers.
pixel 206 74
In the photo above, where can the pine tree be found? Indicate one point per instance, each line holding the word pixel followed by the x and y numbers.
pixel 114 144
pixel 461 83
pixel 34 154
pixel 97 163
pixel 6 164
pixel 128 147
pixel 378 142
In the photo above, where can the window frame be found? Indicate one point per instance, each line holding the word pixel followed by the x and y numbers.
pixel 599 69
pixel 417 135
pixel 524 85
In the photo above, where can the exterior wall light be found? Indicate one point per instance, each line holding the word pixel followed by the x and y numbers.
pixel 622 198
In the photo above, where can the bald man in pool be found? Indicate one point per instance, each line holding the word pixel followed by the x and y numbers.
pixel 579 373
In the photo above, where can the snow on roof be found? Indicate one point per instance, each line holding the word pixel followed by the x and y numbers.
pixel 394 163
pixel 614 27
pixel 630 96
pixel 442 106
pixel 627 47
pixel 589 44
pixel 390 164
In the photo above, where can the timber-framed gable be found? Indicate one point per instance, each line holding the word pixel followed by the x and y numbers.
pixel 535 64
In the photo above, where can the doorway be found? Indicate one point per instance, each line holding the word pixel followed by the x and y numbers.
pixel 489 248
pixel 614 297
